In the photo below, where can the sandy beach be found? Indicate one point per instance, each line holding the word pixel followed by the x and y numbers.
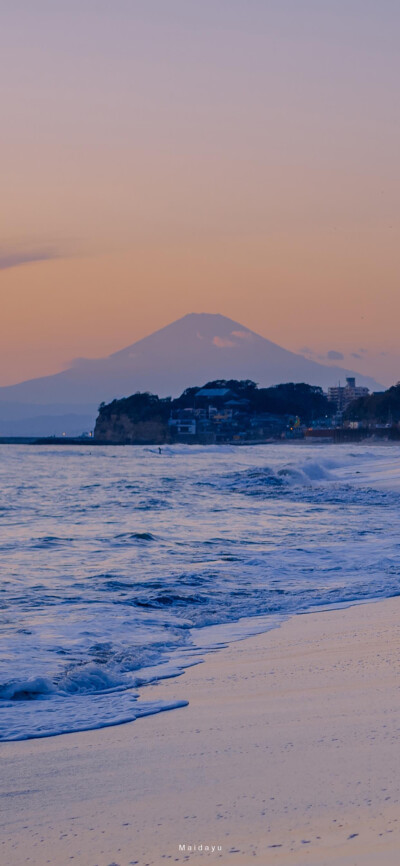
pixel 286 754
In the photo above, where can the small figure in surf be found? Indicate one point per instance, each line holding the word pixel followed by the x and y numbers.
pixel 159 450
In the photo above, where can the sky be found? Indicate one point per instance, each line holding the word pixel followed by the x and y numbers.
pixel 225 156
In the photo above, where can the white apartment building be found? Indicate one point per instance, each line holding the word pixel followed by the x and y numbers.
pixel 343 395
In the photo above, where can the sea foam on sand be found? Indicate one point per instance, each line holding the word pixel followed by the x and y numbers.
pixel 286 754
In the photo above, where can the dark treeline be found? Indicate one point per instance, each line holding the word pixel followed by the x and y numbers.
pixel 380 408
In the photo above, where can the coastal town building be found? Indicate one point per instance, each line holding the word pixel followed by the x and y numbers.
pixel 214 393
pixel 344 395
pixel 183 424
pixel 232 422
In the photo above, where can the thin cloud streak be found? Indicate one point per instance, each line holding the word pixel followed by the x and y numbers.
pixel 14 258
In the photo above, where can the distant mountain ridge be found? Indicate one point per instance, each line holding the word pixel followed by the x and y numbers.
pixel 196 348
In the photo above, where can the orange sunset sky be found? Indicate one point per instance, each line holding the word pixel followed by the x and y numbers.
pixel 160 157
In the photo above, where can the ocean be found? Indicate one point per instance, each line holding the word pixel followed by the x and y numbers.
pixel 120 566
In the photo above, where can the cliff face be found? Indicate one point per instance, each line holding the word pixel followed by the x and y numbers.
pixel 137 420
pixel 121 429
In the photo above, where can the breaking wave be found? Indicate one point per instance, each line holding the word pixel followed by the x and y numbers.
pixel 116 564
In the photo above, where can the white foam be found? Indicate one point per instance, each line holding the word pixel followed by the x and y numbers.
pixel 122 569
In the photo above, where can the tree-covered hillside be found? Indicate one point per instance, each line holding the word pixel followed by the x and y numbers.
pixel 380 408
pixel 144 417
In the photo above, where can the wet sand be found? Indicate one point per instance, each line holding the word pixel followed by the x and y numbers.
pixel 288 753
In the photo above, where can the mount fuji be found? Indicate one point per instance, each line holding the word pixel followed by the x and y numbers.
pixel 190 351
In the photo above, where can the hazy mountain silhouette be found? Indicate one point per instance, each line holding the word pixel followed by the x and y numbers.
pixel 194 349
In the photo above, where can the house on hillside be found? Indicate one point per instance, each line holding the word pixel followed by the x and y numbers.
pixel 217 394
pixel 182 423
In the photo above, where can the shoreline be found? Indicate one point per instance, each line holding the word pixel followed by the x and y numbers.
pixel 373 439
pixel 286 754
